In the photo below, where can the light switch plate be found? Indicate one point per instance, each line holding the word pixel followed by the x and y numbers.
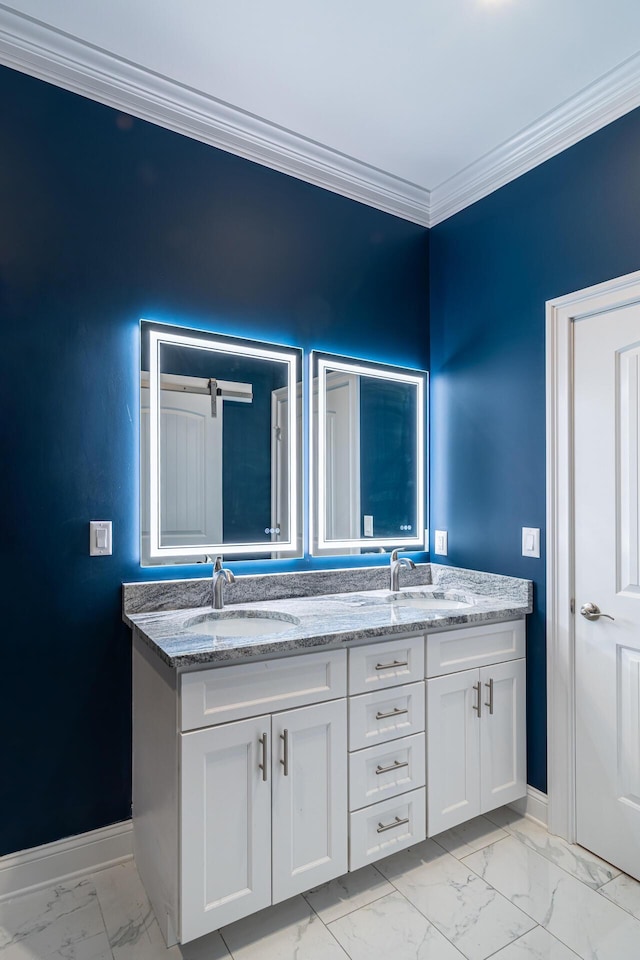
pixel 530 541
pixel 441 544
pixel 100 538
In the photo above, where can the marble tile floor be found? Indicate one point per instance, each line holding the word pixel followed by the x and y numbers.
pixel 497 887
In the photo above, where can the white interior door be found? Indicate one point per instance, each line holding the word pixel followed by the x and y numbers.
pixel 607 573
pixel 190 468
pixel 342 459
pixel 280 471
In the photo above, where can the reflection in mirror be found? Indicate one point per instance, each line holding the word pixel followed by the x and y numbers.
pixel 368 453
pixel 220 431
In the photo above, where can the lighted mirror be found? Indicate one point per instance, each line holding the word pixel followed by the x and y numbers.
pixel 368 456
pixel 220 430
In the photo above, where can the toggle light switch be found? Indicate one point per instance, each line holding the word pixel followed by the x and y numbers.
pixel 368 525
pixel 100 538
pixel 530 541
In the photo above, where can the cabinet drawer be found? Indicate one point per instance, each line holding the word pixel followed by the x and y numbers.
pixel 388 664
pixel 249 689
pixel 452 650
pixel 386 715
pixel 386 771
pixel 386 827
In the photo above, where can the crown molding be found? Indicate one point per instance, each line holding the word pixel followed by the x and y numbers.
pixel 603 101
pixel 42 51
pixel 33 47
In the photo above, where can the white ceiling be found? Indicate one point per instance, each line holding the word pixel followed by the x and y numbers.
pixel 428 104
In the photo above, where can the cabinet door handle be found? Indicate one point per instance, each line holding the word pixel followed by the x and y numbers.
pixel 390 666
pixel 263 766
pixel 284 736
pixel 478 706
pixel 390 826
pixel 396 712
pixel 489 703
pixel 396 765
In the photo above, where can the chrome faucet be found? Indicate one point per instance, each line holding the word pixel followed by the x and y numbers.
pixel 219 578
pixel 396 565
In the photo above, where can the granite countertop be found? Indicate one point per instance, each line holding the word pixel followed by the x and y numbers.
pixel 180 640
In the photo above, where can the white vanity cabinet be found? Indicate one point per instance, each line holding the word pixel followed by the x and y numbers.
pixel 263 812
pixel 258 780
pixel 476 736
pixel 230 817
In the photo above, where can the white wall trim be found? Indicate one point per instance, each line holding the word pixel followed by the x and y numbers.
pixel 535 806
pixel 33 47
pixel 72 857
pixel 41 51
pixel 603 101
pixel 562 312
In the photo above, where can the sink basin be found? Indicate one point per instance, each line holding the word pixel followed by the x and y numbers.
pixel 240 623
pixel 427 601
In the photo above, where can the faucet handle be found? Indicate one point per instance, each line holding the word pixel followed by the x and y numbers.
pixel 217 565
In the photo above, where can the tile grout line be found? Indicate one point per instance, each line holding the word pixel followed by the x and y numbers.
pixel 534 849
pixel 327 923
pixel 228 948
pixel 544 860
pixel 609 900
pixel 104 922
pixel 538 926
pixel 428 919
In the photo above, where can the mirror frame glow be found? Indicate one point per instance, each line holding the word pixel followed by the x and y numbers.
pixel 290 357
pixel 319 364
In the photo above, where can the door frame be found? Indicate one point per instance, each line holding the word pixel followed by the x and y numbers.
pixel 561 314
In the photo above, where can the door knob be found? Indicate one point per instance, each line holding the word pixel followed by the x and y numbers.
pixel 591 611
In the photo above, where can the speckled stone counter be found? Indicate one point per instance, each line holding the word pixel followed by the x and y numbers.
pixel 315 609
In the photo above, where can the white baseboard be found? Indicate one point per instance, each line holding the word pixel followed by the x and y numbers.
pixel 71 857
pixel 535 806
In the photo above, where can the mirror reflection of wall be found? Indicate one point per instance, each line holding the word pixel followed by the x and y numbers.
pixel 368 431
pixel 219 447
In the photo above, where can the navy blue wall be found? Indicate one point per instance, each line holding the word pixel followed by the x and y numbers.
pixel 572 222
pixel 105 220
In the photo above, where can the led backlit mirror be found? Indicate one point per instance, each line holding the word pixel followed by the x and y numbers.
pixel 220 430
pixel 368 456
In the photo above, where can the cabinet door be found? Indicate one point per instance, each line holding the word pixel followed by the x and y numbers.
pixel 503 765
pixel 453 750
pixel 225 825
pixel 309 817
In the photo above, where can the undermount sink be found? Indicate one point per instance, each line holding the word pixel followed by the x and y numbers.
pixel 240 623
pixel 432 601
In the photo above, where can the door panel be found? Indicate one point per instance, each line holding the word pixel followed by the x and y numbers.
pixel 226 826
pixel 503 764
pixel 309 797
pixel 190 467
pixel 607 550
pixel 453 753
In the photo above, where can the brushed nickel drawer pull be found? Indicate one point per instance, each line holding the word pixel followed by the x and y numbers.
pixel 396 712
pixel 489 702
pixel 284 736
pixel 263 766
pixel 390 666
pixel 396 765
pixel 478 706
pixel 390 826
